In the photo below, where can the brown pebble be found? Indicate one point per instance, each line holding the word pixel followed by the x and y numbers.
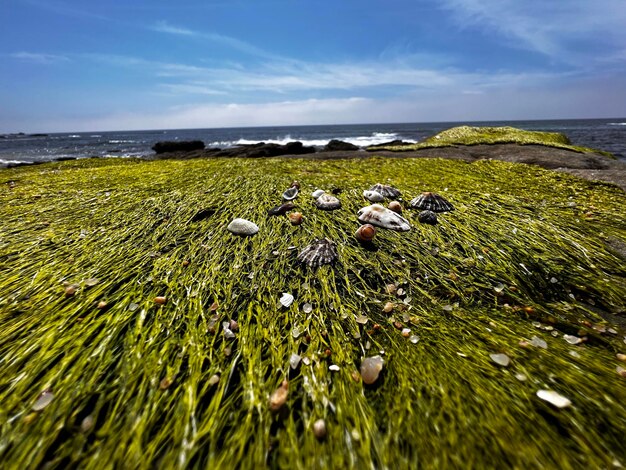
pixel 102 305
pixel 296 218
pixel 295 184
pixel 377 326
pixel 186 262
pixel 70 290
pixel 397 325
pixel 524 344
pixel 319 429
pixel 391 289
pixel 621 357
pixel 160 300
pixel 279 397
pixel 388 307
pixel 395 206
pixel 214 306
pixel 234 326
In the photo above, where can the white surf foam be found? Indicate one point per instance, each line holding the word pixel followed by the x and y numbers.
pixel 11 162
pixel 617 123
pixel 375 138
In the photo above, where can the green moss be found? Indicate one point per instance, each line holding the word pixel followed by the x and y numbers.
pixel 466 135
pixel 522 254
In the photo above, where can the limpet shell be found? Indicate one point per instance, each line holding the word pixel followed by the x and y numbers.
pixel 290 193
pixel 386 190
pixel 242 227
pixel 322 251
pixel 373 196
pixel 431 202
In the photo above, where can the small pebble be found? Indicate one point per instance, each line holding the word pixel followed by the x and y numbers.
pixel 414 339
pixel 621 371
pixel 319 429
pixel 214 379
pixel 538 342
pixel 279 396
pixel 165 383
pixel 370 369
pixel 621 357
pixel 91 282
pixel 306 361
pixel 294 361
pixel 132 307
pixel 70 290
pixel 572 339
pixel 307 308
pixel 102 305
pixel 554 398
pixel 361 319
pixel 334 368
pixel 388 307
pixel 500 359
pixel 160 300
pixel 43 400
pixel 406 332
pixel 574 354
pixel 234 326
pixel 391 289
pixel 521 377
pixel 86 424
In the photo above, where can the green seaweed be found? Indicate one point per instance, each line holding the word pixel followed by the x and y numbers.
pixel 467 135
pixel 522 255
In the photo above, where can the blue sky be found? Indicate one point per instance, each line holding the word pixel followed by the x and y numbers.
pixel 71 65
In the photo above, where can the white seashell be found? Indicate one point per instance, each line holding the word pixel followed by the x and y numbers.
pixel 382 217
pixel 286 300
pixel 554 398
pixel 500 359
pixel 317 193
pixel 243 227
pixel 327 202
pixel 290 194
pixel 373 196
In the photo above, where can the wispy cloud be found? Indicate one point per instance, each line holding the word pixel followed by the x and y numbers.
pixel 164 27
pixel 39 58
pixel 554 29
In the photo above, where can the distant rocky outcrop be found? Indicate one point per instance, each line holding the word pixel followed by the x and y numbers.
pixel 178 146
pixel 339 146
pixel 257 150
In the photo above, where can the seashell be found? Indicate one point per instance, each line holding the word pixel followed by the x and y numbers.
pixel 554 398
pixel 279 397
pixel 395 206
pixel 320 252
pixel 296 218
pixel 365 233
pixel 370 369
pixel 290 194
pixel 319 429
pixel 317 193
pixel 373 196
pixel 242 227
pixel 382 217
pixel 286 299
pixel 43 400
pixel 295 184
pixel 282 209
pixel 386 190
pixel 327 202
pixel 431 202
pixel 427 217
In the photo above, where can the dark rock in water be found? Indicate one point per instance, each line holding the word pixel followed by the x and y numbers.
pixel 296 148
pixel 64 159
pixel 391 143
pixel 178 146
pixel 262 149
pixel 37 135
pixel 338 145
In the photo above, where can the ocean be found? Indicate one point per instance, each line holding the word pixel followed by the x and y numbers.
pixel 603 134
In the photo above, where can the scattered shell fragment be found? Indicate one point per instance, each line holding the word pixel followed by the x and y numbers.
pixel 318 253
pixel 133 306
pixel 296 218
pixel 554 398
pixel 406 332
pixel 294 361
pixel 521 377
pixel 87 424
pixel 621 357
pixel 620 371
pixel 91 282
pixel 282 209
pixel 327 202
pixel 370 369
pixel 160 300
pixel 361 319
pixel 571 339
pixel 382 217
pixel 500 359
pixel 388 307
pixel 317 193
pixel 286 299
pixel 334 368
pixel 307 308
pixel 395 206
pixel 386 190
pixel 102 305
pixel 431 202
pixel 538 342
pixel 279 397
pixel 242 227
pixel 290 194
pixel 365 233
pixel 43 400
pixel 165 383
pixel 70 290
pixel 214 380
pixel 414 339
pixel 373 196
pixel 319 429
pixel 427 217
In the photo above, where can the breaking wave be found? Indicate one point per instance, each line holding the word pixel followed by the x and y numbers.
pixel 375 138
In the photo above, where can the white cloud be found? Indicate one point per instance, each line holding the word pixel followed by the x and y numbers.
pixel 39 58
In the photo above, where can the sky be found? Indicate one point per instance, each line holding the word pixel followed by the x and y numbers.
pixel 68 65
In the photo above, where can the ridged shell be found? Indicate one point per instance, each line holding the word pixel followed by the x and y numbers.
pixel 320 252
pixel 431 202
pixel 290 194
pixel 427 217
pixel 327 202
pixel 373 196
pixel 317 193
pixel 282 209
pixel 286 299
pixel 387 191
pixel 243 227
pixel 365 233
pixel 382 217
